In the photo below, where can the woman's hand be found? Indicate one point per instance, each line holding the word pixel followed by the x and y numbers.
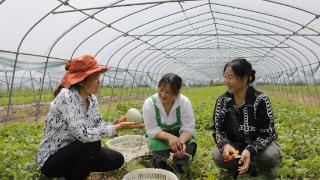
pixel 227 151
pixel 245 161
pixel 121 123
pixel 183 138
pixel 181 153
pixel 175 144
pixel 119 120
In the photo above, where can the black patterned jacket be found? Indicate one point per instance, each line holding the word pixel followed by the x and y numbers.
pixel 250 126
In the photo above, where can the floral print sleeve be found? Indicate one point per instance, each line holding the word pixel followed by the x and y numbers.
pixel 86 126
pixel 68 121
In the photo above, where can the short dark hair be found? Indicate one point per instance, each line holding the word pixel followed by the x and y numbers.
pixel 241 67
pixel 174 81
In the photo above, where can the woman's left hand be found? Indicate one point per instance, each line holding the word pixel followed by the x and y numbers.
pixel 181 153
pixel 245 161
pixel 122 122
pixel 119 120
pixel 128 125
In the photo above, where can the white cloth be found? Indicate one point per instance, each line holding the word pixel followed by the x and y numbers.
pixel 187 116
pixel 68 121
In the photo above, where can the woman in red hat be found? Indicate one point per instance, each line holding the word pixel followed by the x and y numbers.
pixel 71 146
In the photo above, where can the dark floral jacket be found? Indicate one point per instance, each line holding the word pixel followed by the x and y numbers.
pixel 250 126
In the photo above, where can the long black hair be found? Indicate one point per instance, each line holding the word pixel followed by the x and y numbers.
pixel 174 81
pixel 241 67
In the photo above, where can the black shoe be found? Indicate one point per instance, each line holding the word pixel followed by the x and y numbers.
pixel 162 164
pixel 180 169
pixel 253 172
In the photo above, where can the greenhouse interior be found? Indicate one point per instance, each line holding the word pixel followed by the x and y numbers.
pixel 141 41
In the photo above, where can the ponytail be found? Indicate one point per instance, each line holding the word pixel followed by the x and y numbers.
pixel 252 76
pixel 57 91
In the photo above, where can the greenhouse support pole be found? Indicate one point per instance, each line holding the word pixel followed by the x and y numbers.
pixel 315 84
pixel 32 86
pixel 123 84
pixel 294 84
pixel 7 82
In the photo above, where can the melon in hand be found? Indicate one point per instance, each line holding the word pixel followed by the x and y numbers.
pixel 134 115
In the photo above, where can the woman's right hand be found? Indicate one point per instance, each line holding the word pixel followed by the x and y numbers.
pixel 227 151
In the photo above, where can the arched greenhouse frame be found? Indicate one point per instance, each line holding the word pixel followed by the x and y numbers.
pixel 141 40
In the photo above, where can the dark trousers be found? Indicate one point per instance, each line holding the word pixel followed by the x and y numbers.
pixel 77 160
pixel 264 161
pixel 160 158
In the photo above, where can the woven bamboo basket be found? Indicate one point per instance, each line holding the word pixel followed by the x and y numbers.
pixel 150 174
pixel 129 146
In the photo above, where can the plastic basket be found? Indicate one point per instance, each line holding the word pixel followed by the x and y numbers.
pixel 129 146
pixel 150 174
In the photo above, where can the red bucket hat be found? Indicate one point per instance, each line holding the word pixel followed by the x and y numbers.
pixel 79 68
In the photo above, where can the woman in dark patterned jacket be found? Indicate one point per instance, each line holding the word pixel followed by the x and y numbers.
pixel 70 146
pixel 244 123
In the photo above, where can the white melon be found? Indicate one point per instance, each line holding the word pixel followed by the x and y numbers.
pixel 134 115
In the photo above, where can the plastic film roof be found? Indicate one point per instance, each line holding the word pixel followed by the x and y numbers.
pixel 143 39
